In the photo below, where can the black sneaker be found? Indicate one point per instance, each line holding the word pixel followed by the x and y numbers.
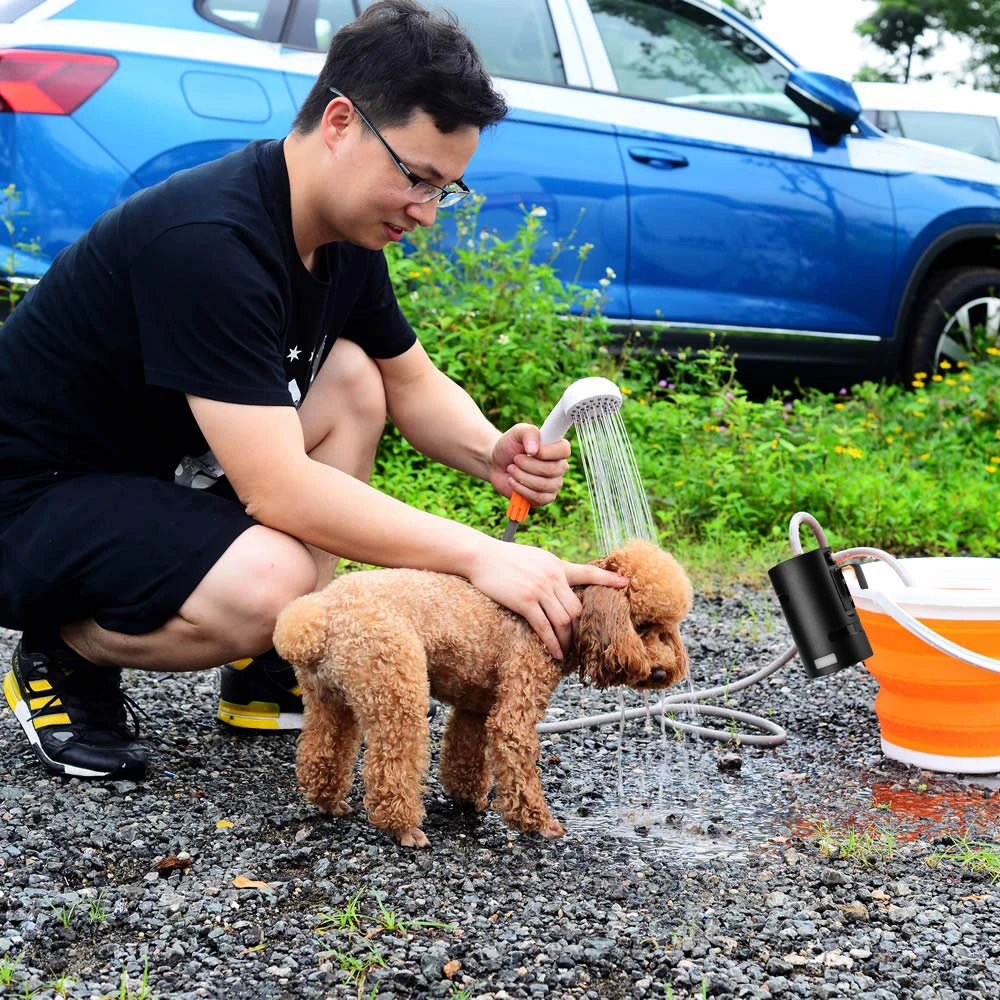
pixel 260 692
pixel 74 714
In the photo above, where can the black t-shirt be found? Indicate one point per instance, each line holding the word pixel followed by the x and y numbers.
pixel 192 286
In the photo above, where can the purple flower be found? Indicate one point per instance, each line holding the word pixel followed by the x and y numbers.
pixel 729 395
pixel 788 406
pixel 670 385
pixel 662 383
pixel 843 392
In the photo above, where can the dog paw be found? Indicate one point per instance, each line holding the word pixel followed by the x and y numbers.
pixel 414 837
pixel 341 808
pixel 553 830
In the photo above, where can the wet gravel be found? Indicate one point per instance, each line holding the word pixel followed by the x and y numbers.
pixel 690 868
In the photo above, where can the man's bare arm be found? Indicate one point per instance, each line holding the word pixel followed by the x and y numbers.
pixel 262 451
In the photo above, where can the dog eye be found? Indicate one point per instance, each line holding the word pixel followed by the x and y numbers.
pixel 645 628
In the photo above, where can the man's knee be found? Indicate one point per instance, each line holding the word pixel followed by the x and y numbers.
pixel 355 381
pixel 259 574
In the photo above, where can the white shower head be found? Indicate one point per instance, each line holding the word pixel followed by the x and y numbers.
pixel 585 399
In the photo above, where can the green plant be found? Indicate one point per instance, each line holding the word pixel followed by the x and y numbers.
pixel 982 857
pixel 865 846
pixel 142 990
pixel 98 908
pixel 10 293
pixel 62 985
pixel 65 914
pixel 8 968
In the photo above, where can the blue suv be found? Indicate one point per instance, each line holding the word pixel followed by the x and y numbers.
pixel 729 191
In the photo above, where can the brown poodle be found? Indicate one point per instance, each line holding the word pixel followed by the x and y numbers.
pixel 371 649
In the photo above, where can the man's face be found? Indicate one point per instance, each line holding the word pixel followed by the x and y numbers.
pixel 373 203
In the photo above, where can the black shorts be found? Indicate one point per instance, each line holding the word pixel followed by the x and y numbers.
pixel 124 550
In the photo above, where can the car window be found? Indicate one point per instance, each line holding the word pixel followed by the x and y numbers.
pixel 314 22
pixel 11 10
pixel 515 39
pixel 976 134
pixel 887 121
pixel 257 18
pixel 672 51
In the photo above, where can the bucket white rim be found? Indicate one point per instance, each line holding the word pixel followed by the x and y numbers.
pixel 979 600
pixel 941 762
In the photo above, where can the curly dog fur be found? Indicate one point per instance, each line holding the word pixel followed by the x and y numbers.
pixel 373 647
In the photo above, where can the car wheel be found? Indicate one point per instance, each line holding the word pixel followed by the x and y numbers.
pixel 959 309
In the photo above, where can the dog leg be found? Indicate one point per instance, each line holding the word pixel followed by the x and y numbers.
pixel 393 705
pixel 327 747
pixel 464 771
pixel 512 752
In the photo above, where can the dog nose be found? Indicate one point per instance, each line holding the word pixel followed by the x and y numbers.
pixel 658 676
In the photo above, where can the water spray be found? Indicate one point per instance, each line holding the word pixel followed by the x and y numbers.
pixel 621 511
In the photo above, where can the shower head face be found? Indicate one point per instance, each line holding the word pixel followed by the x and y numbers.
pixel 590 398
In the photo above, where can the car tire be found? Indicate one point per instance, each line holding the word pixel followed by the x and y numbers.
pixel 956 303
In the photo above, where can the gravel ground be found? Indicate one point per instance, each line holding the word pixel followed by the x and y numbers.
pixel 690 868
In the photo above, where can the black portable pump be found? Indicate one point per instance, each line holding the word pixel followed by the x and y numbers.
pixel 820 612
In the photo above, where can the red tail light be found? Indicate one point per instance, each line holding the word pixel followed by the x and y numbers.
pixel 33 81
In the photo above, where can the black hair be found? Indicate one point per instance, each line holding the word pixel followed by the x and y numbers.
pixel 397 57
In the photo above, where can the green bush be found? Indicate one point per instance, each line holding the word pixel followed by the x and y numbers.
pixel 912 471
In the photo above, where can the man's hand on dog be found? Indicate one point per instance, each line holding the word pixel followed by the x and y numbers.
pixel 519 462
pixel 538 586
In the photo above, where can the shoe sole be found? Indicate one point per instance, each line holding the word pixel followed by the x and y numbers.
pixel 261 715
pixel 23 715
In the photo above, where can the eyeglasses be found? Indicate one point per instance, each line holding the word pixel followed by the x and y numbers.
pixel 420 190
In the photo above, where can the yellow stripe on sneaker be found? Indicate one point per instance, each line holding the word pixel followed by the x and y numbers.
pixel 241 664
pixel 40 685
pixel 255 715
pixel 41 721
pixel 11 691
pixel 48 702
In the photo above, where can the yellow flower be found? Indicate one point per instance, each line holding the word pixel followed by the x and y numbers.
pixel 918 413
pixel 838 406
pixel 926 455
pixel 966 388
pixel 961 364
pixel 937 378
pixel 680 482
pixel 855 452
pixel 920 374
pixel 991 469
pixel 774 443
pixel 840 449
pixel 944 364
pixel 966 377
pixel 993 351
pixel 626 390
pixel 889 439
pixel 917 384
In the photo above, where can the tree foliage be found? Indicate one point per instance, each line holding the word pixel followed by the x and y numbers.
pixel 912 30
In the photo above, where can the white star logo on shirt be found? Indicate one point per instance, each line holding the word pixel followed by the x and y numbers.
pixel 293 354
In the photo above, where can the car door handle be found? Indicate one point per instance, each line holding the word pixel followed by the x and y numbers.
pixel 659 158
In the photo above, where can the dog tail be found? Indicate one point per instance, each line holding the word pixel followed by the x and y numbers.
pixel 300 634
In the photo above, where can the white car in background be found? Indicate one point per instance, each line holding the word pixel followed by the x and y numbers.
pixel 958 117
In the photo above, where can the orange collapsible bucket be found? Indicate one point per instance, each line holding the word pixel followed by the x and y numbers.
pixel 936 711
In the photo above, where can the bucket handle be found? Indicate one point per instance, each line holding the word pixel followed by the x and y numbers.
pixel 913 625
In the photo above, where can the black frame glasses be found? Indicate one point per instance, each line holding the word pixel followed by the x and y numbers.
pixel 422 191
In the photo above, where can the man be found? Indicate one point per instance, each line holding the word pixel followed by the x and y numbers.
pixel 190 321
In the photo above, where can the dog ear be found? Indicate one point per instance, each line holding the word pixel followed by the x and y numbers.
pixel 607 645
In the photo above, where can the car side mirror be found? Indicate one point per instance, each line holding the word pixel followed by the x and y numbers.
pixel 830 100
